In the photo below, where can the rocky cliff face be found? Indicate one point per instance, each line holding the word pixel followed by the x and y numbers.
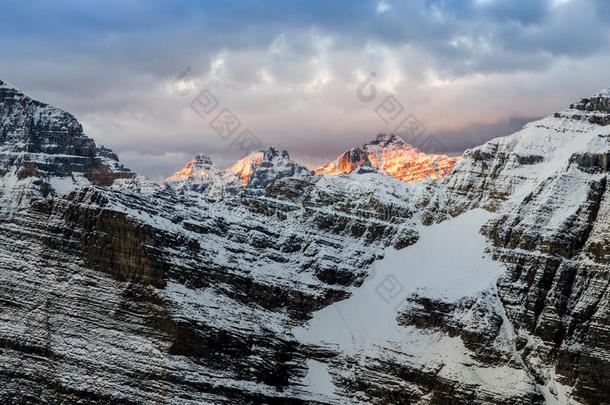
pixel 329 289
pixel 391 155
pixel 548 184
pixel 127 297
pixel 43 150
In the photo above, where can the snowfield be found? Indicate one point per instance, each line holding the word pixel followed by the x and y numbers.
pixel 449 262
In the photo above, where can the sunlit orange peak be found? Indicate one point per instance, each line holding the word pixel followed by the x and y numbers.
pixel 393 156
pixel 198 167
pixel 245 167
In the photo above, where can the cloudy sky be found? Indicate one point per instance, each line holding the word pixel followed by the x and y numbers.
pixel 293 72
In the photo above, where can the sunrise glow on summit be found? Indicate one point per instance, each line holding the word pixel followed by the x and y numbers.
pixel 389 154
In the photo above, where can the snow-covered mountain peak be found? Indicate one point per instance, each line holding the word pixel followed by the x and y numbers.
pixel 246 166
pixel 269 154
pixel 571 146
pixel 257 157
pixel 251 173
pixel 266 158
pixel 390 155
pixel 262 167
pixel 43 151
pixel 200 166
pixel 9 88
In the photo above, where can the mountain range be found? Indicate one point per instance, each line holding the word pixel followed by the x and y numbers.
pixel 386 154
pixel 387 276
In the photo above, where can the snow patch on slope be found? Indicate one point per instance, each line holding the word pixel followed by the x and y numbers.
pixel 448 263
pixel 319 380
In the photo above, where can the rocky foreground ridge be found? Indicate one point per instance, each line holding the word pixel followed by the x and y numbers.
pixel 116 289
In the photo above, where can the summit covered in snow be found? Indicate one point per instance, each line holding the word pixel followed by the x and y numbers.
pixel 44 152
pixel 252 174
pixel 386 154
pixel 390 155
